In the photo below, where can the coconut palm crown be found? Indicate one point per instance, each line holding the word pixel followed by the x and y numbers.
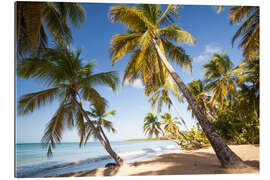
pixel 151 125
pixel 171 125
pixel 37 21
pixel 143 23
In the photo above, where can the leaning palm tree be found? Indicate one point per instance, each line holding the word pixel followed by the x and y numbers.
pixel 151 125
pixel 34 20
pixel 98 112
pixel 69 82
pixel 162 96
pixel 149 37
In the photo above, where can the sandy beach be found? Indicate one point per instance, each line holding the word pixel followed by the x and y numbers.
pixel 201 161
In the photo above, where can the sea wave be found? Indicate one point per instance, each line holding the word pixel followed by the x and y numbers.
pixel 59 167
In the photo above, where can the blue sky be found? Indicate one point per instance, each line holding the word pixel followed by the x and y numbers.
pixel 213 33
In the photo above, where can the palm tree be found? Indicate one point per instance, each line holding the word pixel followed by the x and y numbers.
pixel 34 20
pixel 99 114
pixel 249 30
pixel 70 82
pixel 161 96
pixel 170 124
pixel 151 125
pixel 219 77
pixel 149 39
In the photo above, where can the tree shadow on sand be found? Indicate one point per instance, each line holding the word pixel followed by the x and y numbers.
pixel 195 163
pixel 174 164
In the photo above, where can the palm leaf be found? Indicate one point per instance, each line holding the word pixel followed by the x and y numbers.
pixel 32 101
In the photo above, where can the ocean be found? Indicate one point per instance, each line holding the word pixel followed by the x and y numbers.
pixel 31 159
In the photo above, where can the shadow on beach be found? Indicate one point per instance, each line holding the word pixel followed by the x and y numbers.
pixel 171 164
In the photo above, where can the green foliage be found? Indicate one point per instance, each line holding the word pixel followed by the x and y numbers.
pixel 239 121
pixel 195 138
pixel 34 20
pixel 234 104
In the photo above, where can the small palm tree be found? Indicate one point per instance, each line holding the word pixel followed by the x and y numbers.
pixel 171 125
pixel 69 82
pixel 161 96
pixel 149 40
pixel 99 114
pixel 35 19
pixel 151 125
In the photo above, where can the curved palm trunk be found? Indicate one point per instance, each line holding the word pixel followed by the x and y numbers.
pixel 178 113
pixel 225 155
pixel 104 143
pixel 105 137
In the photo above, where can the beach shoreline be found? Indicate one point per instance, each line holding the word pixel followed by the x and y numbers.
pixel 200 161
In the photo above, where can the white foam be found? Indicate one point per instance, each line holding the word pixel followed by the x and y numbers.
pixel 59 167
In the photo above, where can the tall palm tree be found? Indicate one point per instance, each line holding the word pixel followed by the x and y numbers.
pixel 162 96
pixel 34 20
pixel 70 82
pixel 219 77
pixel 99 114
pixel 149 37
pixel 151 125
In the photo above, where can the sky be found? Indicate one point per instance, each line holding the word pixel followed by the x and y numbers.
pixel 213 33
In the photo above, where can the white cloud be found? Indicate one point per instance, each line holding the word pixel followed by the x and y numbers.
pixel 136 84
pixel 209 50
pixel 212 49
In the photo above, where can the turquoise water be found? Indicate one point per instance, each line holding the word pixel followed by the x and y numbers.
pixel 31 159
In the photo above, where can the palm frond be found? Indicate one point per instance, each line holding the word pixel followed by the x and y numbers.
pixel 175 33
pixel 32 101
pixel 132 18
pixel 166 18
pixel 178 55
pixel 54 129
pixel 123 44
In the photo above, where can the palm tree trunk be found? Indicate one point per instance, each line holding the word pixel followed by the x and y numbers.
pixel 105 137
pixel 225 155
pixel 178 113
pixel 104 143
